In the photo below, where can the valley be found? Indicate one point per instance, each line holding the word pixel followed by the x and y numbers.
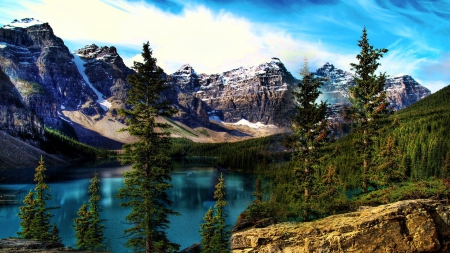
pixel 366 146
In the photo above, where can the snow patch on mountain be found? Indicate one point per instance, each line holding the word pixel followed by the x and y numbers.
pixel 242 122
pixel 100 97
pixel 23 23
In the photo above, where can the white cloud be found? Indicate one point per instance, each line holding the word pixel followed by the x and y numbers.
pixel 216 41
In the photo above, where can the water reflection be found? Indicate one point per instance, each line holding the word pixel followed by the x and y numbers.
pixel 192 195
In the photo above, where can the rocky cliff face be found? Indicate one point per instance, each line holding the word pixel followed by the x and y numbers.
pixel 401 90
pixel 406 226
pixel 15 118
pixel 84 88
pixel 42 69
pixel 257 94
pixel 107 74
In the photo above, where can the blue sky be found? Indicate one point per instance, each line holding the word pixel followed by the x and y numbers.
pixel 219 35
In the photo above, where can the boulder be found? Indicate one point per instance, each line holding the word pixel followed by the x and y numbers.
pixel 405 226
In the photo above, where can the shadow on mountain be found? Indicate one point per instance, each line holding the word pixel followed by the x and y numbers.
pixel 218 128
pixel 95 139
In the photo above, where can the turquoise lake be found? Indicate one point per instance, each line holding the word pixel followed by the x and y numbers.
pixel 192 195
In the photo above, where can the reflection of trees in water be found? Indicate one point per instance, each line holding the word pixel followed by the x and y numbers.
pixel 191 188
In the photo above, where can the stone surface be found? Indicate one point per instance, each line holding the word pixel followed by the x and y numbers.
pixel 42 69
pixel 257 93
pixel 405 226
pixel 15 118
pixel 401 90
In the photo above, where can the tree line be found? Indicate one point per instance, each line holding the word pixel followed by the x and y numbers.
pixel 376 163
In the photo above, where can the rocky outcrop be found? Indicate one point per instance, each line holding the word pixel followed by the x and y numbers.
pixel 15 118
pixel 401 90
pixel 43 71
pixel 405 226
pixel 106 72
pixel 257 94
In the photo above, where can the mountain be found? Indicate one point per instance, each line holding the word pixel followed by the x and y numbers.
pixel 401 90
pixel 43 70
pixel 83 90
pixel 255 94
pixel 15 118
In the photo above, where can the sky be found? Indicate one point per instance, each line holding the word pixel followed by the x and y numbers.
pixel 219 35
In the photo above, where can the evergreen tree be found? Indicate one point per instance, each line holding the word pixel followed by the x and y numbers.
pixel 27 214
pixel 258 190
pixel 88 227
pixel 222 234
pixel 35 214
pixel 446 168
pixel 390 169
pixel 55 234
pixel 81 227
pixel 369 104
pixel 148 180
pixel 95 233
pixel 207 230
pixel 310 132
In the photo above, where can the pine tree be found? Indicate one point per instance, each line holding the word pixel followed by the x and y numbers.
pixel 258 190
pixel 369 104
pixel 207 230
pixel 222 234
pixel 95 233
pixel 310 132
pixel 27 214
pixel 81 227
pixel 88 227
pixel 55 234
pixel 35 214
pixel 389 169
pixel 145 185
pixel 41 223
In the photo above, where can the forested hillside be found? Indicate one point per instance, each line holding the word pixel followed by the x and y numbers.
pixel 422 137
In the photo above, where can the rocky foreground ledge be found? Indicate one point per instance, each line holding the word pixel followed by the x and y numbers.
pixel 405 226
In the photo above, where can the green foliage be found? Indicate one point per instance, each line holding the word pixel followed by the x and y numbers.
pixel 369 104
pixel 27 214
pixel 258 190
pixel 207 230
pixel 389 169
pixel 59 143
pixel 214 232
pixel 145 185
pixel 35 214
pixel 310 133
pixel 422 189
pixel 422 139
pixel 55 234
pixel 88 227
pixel 81 226
pixel 254 154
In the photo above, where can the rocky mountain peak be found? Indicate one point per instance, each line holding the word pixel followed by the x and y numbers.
pixel 90 52
pixel 185 70
pixel 23 23
pixel 401 90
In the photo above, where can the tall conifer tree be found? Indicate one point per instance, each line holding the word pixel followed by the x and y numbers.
pixel 310 132
pixel 207 230
pixel 148 180
pixel 35 214
pixel 222 234
pixel 88 227
pixel 369 104
pixel 214 232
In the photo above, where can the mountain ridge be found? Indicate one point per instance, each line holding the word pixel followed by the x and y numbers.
pixel 86 88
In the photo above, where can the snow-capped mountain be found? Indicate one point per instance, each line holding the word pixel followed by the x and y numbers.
pixel 256 93
pixel 401 90
pixel 86 87
pixel 42 69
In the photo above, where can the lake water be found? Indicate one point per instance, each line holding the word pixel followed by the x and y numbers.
pixel 192 195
